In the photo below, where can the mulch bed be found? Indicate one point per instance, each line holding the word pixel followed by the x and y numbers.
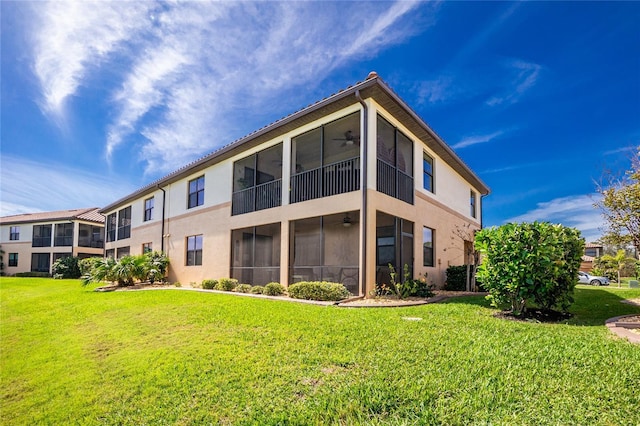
pixel 535 315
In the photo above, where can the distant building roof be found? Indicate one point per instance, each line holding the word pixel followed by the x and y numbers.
pixel 593 245
pixel 88 214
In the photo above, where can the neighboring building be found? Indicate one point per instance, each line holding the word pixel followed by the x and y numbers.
pixel 591 252
pixel 32 242
pixel 335 192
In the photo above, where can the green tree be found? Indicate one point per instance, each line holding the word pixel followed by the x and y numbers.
pixel 530 263
pixel 620 206
pixel 616 263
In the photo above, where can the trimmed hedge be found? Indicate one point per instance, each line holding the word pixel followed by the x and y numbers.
pixel 33 274
pixel 456 278
pixel 226 284
pixel 318 290
pixel 273 289
pixel 257 289
pixel 243 288
pixel 209 284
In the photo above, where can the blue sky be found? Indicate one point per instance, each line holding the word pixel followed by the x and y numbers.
pixel 99 99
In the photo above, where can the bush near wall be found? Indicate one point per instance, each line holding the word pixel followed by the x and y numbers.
pixel 318 290
pixel 32 274
pixel 226 284
pixel 273 289
pixel 243 288
pixel 209 284
pixel 456 278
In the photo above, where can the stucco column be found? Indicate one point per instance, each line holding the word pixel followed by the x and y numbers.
pixel 284 252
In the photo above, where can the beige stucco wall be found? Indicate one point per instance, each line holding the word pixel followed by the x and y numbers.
pixel 445 210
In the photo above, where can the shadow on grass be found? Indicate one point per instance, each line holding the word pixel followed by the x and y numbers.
pixel 592 306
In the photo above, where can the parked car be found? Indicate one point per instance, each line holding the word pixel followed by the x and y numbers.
pixel 584 278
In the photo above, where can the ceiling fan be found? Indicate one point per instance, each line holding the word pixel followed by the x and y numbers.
pixel 349 139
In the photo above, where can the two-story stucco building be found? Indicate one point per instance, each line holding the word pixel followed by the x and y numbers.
pixel 33 241
pixel 336 191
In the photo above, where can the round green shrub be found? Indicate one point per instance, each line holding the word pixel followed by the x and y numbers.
pixel 274 289
pixel 226 284
pixel 318 290
pixel 257 289
pixel 530 263
pixel 209 284
pixel 243 288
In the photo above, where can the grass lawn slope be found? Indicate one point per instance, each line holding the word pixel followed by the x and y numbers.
pixel 73 356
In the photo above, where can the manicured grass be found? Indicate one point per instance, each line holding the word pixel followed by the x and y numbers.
pixel 73 356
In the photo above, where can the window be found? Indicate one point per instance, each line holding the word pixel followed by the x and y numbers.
pixel 122 252
pixel 196 192
pixel 13 259
pixel 255 255
pixel 64 235
pixel 427 172
pixel 591 251
pixel 146 248
pixel 41 236
pixel 90 236
pixel 257 181
pixel 111 227
pixel 124 223
pixel 40 262
pixel 14 233
pixel 395 162
pixel 472 203
pixel 394 245
pixel 194 250
pixel 148 209
pixel 427 246
pixel 110 253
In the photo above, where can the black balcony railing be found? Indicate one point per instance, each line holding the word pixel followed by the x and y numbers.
pixel 63 241
pixel 259 197
pixel 88 242
pixel 332 179
pixel 41 242
pixel 394 182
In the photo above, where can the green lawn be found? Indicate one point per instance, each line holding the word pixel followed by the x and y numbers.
pixel 74 356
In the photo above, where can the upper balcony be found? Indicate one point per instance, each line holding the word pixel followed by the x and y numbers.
pixel 326 160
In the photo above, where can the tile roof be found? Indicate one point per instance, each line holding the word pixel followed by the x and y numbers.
pixel 89 214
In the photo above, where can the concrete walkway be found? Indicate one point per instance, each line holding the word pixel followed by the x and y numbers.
pixel 613 324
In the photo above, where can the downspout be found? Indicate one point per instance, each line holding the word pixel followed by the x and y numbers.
pixel 104 243
pixel 365 144
pixel 164 197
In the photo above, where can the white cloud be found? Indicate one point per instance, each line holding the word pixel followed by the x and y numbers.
pixel 525 75
pixel 186 70
pixel 576 211
pixel 29 186
pixel 438 90
pixel 477 139
pixel 69 38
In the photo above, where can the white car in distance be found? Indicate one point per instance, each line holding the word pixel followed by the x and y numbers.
pixel 584 278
